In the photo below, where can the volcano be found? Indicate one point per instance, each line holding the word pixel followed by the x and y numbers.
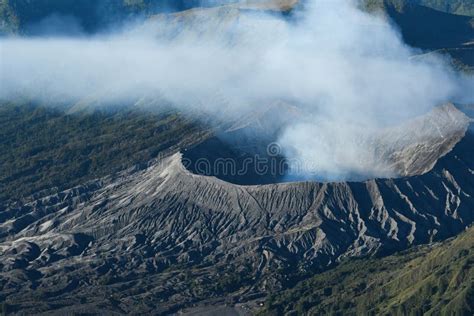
pixel 153 172
pixel 412 148
pixel 148 235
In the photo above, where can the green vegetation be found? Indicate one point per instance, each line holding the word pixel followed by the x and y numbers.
pixel 8 19
pixel 458 7
pixel 43 147
pixel 430 280
pixel 3 308
pixel 17 16
pixel 461 7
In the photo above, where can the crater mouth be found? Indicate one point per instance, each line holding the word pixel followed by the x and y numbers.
pixel 259 163
pixel 242 157
pixel 242 164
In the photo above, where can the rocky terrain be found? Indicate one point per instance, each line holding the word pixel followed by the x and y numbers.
pixel 156 239
pixel 429 280
pixel 407 149
pixel 162 236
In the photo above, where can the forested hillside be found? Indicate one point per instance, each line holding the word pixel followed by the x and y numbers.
pixel 21 16
pixel 458 7
pixel 430 280
pixel 43 147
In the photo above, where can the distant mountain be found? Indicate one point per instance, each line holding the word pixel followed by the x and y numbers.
pixel 24 16
pixel 429 280
pixel 426 24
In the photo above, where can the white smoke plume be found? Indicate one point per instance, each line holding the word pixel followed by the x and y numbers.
pixel 350 71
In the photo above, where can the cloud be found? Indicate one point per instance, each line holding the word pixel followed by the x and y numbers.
pixel 348 71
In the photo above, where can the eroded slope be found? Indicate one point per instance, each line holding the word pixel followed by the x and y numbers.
pixel 157 239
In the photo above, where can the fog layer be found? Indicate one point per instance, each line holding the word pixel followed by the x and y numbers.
pixel 348 71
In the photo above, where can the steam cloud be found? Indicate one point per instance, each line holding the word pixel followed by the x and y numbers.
pixel 349 71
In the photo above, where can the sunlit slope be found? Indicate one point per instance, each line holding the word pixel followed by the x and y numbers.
pixel 432 280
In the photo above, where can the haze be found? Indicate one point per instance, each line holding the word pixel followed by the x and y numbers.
pixel 349 71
